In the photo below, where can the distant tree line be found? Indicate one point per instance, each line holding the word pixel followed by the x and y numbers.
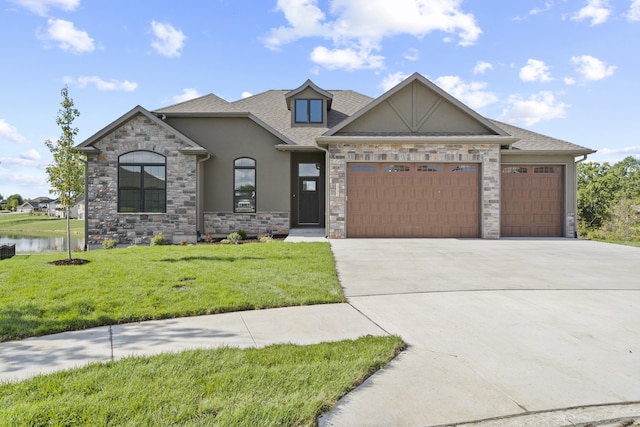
pixel 609 200
pixel 12 202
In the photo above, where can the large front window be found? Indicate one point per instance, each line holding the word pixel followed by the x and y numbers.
pixel 309 111
pixel 244 185
pixel 142 177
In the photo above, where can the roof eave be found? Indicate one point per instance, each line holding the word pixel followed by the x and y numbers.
pixel 484 139
pixel 520 152
pixel 297 148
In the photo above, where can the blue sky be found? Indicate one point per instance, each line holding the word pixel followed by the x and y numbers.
pixel 565 68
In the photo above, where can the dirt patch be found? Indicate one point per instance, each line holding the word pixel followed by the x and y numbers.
pixel 73 261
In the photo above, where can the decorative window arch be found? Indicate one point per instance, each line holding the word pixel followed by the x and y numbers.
pixel 244 185
pixel 142 182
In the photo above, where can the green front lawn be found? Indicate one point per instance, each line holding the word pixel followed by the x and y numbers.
pixel 281 385
pixel 143 283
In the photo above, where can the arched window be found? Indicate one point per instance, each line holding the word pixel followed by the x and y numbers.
pixel 142 178
pixel 244 185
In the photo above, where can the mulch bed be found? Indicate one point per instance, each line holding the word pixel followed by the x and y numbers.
pixel 73 261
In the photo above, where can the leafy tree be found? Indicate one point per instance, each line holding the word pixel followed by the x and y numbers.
pixel 609 199
pixel 13 201
pixel 66 173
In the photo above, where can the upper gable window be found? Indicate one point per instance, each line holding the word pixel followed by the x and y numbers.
pixel 309 111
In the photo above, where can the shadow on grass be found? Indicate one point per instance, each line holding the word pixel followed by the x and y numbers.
pixel 211 258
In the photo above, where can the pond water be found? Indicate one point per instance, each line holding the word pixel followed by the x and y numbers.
pixel 25 244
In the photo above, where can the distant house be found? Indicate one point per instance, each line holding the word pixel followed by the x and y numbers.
pixel 28 207
pixel 413 162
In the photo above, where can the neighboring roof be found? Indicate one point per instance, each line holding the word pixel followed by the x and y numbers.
pixel 87 145
pixel 532 141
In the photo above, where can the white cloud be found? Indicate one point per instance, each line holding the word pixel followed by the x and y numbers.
pixel 10 132
pixel 246 94
pixel 30 154
pixel 592 68
pixel 102 85
pixel 547 7
pixel 186 95
pixel 633 14
pixel 482 67
pixel 392 80
pixel 347 59
pixel 41 7
pixel 471 94
pixel 569 81
pixel 167 41
pixel 359 26
pixel 597 11
pixel 412 55
pixel 68 37
pixel 631 151
pixel 535 71
pixel 538 107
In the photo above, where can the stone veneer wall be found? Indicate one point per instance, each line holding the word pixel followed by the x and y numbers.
pixel 104 221
pixel 217 224
pixel 488 155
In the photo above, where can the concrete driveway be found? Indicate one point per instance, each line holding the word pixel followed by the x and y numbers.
pixel 494 327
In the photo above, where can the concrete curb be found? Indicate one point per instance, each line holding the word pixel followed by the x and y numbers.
pixel 611 415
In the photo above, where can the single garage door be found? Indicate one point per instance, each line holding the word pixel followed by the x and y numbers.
pixel 532 201
pixel 413 200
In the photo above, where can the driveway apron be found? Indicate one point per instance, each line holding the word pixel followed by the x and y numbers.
pixel 494 327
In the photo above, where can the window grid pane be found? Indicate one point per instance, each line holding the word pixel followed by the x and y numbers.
pixel 142 186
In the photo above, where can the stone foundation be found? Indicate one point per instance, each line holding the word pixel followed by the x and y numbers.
pixel 218 224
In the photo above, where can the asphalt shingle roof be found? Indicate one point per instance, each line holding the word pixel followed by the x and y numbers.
pixel 270 107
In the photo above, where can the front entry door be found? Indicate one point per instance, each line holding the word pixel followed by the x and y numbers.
pixel 309 200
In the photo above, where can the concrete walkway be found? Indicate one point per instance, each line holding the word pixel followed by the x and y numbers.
pixel 296 325
pixel 500 333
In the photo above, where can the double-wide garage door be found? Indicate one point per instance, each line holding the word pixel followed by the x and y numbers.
pixel 532 201
pixel 413 200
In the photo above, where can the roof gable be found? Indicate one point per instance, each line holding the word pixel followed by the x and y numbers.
pixel 416 107
pixel 87 145
pixel 309 85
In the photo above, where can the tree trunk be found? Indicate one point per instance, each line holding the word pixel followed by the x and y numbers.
pixel 68 233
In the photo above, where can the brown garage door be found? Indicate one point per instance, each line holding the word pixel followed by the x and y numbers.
pixel 413 200
pixel 532 201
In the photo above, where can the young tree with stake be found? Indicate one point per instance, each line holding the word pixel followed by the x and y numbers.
pixel 66 172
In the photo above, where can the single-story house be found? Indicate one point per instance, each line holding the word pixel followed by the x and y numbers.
pixel 28 207
pixel 413 162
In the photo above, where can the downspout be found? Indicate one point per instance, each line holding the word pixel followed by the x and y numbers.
pixel 198 196
pixel 575 180
pixel 327 191
pixel 86 205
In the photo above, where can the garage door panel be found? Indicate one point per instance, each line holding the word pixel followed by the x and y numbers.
pixel 412 200
pixel 532 201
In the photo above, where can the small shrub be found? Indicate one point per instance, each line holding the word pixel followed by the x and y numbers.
pixel 234 238
pixel 158 240
pixel 265 238
pixel 109 243
pixel 225 241
pixel 242 233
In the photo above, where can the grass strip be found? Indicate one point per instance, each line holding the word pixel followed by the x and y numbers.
pixel 159 282
pixel 280 385
pixel 28 224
